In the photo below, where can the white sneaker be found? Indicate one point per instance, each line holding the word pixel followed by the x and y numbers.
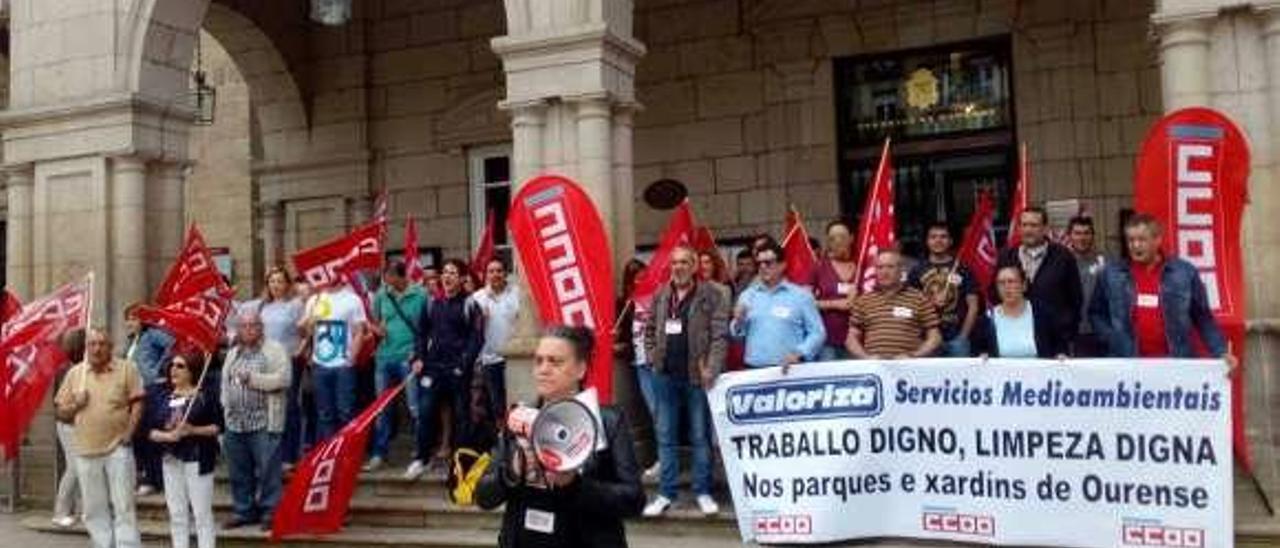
pixel 415 470
pixel 372 465
pixel 708 505
pixel 144 490
pixel 651 473
pixel 657 507
pixel 64 521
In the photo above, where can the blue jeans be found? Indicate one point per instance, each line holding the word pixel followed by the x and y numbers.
pixel 647 380
pixel 335 389
pixel 957 347
pixel 253 463
pixel 299 416
pixel 389 373
pixel 677 397
pixel 444 384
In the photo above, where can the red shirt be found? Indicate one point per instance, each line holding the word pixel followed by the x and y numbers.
pixel 1148 312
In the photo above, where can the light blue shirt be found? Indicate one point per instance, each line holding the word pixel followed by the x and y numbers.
pixel 1015 337
pixel 779 321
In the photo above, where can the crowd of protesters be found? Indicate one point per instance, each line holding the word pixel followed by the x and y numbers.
pixel 156 417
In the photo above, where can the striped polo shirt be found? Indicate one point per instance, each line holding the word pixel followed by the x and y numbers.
pixel 893 321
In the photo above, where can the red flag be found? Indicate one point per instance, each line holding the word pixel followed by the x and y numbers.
pixel 1019 202
pixel 801 261
pixel 876 229
pixel 32 356
pixel 11 307
pixel 196 320
pixel 359 249
pixel 318 495
pixel 484 250
pixel 565 250
pixel 193 272
pixel 679 231
pixel 978 248
pixel 1192 175
pixel 413 266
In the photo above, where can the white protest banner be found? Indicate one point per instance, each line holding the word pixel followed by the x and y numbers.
pixel 1015 452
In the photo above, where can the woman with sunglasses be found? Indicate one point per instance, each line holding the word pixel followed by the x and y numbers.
pixel 185 424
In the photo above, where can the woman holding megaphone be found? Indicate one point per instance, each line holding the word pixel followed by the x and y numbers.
pixel 556 492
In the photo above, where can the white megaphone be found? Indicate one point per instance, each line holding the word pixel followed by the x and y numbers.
pixel 564 434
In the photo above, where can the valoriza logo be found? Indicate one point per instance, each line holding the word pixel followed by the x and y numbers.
pixel 1145 534
pixel 844 396
pixel 952 522
pixel 783 525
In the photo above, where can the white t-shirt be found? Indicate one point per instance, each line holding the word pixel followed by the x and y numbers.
pixel 500 311
pixel 337 313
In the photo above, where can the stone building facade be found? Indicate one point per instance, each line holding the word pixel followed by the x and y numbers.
pixel 448 103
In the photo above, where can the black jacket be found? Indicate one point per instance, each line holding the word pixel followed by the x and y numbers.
pixel 1050 341
pixel 205 411
pixel 589 512
pixel 450 335
pixel 1055 290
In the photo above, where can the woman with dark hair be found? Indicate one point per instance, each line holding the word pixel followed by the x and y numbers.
pixel 628 343
pixel 834 287
pixel 186 426
pixel 584 507
pixel 1015 327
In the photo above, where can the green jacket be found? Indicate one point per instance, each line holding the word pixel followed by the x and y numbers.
pixel 399 343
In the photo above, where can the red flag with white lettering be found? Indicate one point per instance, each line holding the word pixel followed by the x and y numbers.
pixel 1193 175
pixel 192 272
pixel 318 495
pixel 801 261
pixel 11 307
pixel 413 266
pixel 679 231
pixel 876 229
pixel 978 248
pixel 32 356
pixel 359 249
pixel 197 320
pixel 1019 202
pixel 564 249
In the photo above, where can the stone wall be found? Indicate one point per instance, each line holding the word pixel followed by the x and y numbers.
pixel 739 101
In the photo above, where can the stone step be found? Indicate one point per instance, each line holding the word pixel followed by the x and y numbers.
pixel 156 533
pixel 425 511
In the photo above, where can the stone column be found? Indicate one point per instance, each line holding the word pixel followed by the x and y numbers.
pixel 18 248
pixel 1184 61
pixel 595 143
pixel 128 263
pixel 527 124
pixel 167 221
pixel 272 216
pixel 624 211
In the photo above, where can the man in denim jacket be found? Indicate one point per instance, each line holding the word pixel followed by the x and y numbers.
pixel 1148 305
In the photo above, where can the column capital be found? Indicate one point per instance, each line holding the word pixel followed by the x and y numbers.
pixel 594 105
pixel 128 164
pixel 19 175
pixel 1181 30
pixel 1271 19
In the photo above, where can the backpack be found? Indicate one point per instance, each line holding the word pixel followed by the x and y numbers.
pixel 468 467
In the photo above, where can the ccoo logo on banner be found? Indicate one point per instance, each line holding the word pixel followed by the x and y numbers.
pixel 1122 453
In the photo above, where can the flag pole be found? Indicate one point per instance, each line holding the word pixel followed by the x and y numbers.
pixel 622 314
